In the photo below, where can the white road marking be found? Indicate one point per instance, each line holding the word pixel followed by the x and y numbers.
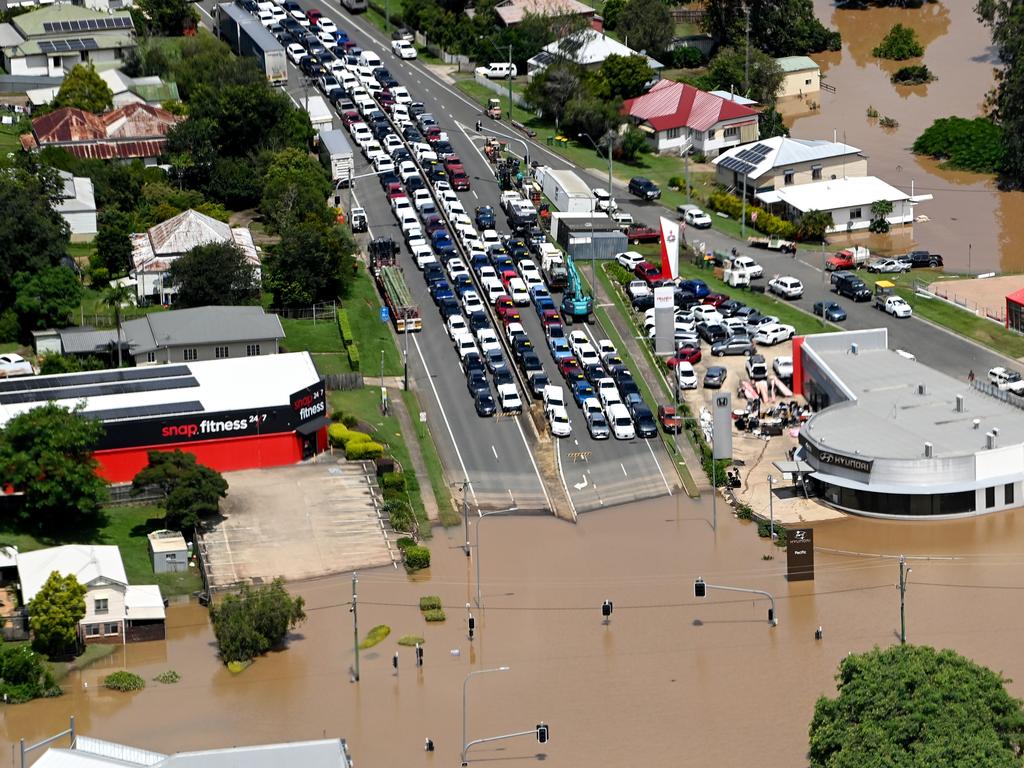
pixel 623 469
pixel 495 452
pixel 473 192
pixel 533 463
pixel 581 484
pixel 657 463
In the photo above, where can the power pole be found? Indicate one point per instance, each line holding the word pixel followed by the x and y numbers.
pixel 465 512
pixel 510 83
pixel 355 626
pixel 904 578
pixel 746 72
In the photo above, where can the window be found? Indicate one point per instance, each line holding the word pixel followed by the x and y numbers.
pixel 816 172
pixel 92 630
pixel 252 350
pixel 855 213
pixel 170 556
pixel 151 357
pixel 990 498
pixel 1008 493
pixel 732 133
pixel 787 176
pixel 100 605
pixel 190 353
pixel 113 629
pixel 220 352
pixel 807 81
pixel 672 133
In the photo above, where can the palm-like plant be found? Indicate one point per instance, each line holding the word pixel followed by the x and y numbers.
pixel 115 297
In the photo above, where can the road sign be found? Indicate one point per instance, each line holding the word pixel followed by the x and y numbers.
pixel 384 314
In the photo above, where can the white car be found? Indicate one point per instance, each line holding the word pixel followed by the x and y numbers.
pixel 605 347
pixel 754 270
pixel 465 345
pixel 383 164
pixel 300 17
pixel 514 329
pixel 295 53
pixel 456 327
pixel 629 260
pixel 786 287
pixel 558 418
pixel 608 392
pixel 422 253
pixel 705 313
pixel 897 307
pixel 686 377
pixel 783 367
pixel 518 291
pixel 774 333
pixel 266 18
pixel 576 340
pixel 361 134
pixel 13 364
pixel 326 38
pixel 403 49
pixel 603 201
pixel 695 217
pixel 370 59
pixel 888 266
pixel 326 25
pixel 591 405
pixel 494 287
pixel 508 398
pixel 620 422
pixel 554 397
pixel 587 355
pixel 490 237
pixel 456 267
pixel 401 95
pixel 530 273
pixel 498 70
pixel 488 340
pixel 471 302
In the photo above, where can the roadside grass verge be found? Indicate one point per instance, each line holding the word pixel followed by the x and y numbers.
pixel 321 338
pixel 435 471
pixel 372 335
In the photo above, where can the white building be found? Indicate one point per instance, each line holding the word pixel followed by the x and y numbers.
pixel 848 200
pixel 78 206
pixel 588 48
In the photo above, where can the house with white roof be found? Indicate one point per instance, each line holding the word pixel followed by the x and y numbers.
pixel 115 611
pixel 677 117
pixel 849 201
pixel 785 162
pixel 77 206
pixel 588 48
pixel 154 250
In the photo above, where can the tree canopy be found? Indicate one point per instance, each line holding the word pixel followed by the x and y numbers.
pixel 646 25
pixel 295 189
pixel 728 71
pixel 255 621
pixel 48 298
pixel 24 674
pixel 46 453
pixel 777 27
pixel 168 17
pixel 214 274
pixel 85 89
pixel 962 144
pixel 622 77
pixel 54 614
pixel 191 490
pixel 915 707
pixel 312 263
pixel 899 44
pixel 1006 19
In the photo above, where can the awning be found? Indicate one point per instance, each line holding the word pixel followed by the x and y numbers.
pixel 793 467
pixel 314 426
pixel 770 197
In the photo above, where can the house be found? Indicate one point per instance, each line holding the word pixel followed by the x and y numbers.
pixel 801 76
pixel 849 201
pixel 678 117
pixel 115 612
pixel 139 90
pixel 87 752
pixel 511 12
pixel 77 206
pixel 136 131
pixel 730 96
pixel 202 333
pixel 49 42
pixel 588 48
pixel 154 250
pixel 168 551
pixel 783 162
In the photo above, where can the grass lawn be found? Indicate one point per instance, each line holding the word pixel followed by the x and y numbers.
pixel 94 312
pixel 9 136
pixel 438 484
pixel 372 336
pixel 364 404
pixel 125 526
pixel 321 339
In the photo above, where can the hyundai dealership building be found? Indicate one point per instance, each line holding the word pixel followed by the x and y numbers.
pixel 894 438
pixel 232 414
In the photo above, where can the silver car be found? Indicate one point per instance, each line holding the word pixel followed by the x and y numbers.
pixel 597 424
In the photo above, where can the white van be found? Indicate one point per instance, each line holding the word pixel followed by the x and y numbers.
pixel 620 421
pixel 554 397
pixel 370 59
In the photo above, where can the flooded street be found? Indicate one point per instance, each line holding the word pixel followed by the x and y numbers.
pixel 707 682
pixel 971 223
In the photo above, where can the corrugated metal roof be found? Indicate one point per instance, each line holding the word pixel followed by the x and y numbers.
pixel 87 562
pixel 186 231
pixel 796 63
pixel 74 342
pixel 96 753
pixel 201 325
pixel 670 104
pixel 784 151
pixel 513 11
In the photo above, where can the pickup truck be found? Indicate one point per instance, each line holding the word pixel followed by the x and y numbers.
pixel 641 233
pixel 772 244
pixel 893 305
pixel 918 259
pixel 1007 380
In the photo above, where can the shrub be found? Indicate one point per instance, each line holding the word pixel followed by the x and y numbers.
pixel 393 481
pixel 766 223
pixel 352 437
pixel 345 327
pixel 687 57
pixel 254 621
pixel 744 511
pixel 353 356
pixel 375 636
pixel 962 144
pixel 363 450
pixel 168 677
pixel 404 542
pixel 872 113
pixel 416 557
pixel 677 182
pixel 24 674
pixel 917 74
pixel 411 640
pixel 430 603
pixel 401 516
pixel 434 615
pixel 124 681
pixel 618 273
pixel 899 44
pixel 889 122
pixel 336 433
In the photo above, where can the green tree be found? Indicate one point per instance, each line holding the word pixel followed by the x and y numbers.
pixel 879 210
pixel 1006 20
pixel 113 241
pixel 46 454
pixel 115 298
pixel 777 27
pixel 551 90
pixel 622 77
pixel 646 26
pixel 295 189
pixel 961 144
pixel 51 364
pixel 169 17
pixel 813 225
pixel 632 144
pixel 24 674
pixel 586 113
pixel 915 706
pixel 728 71
pixel 769 124
pixel 899 44
pixel 312 263
pixel 47 299
pixel 54 614
pixel 612 12
pixel 255 621
pixel 85 89
pixel 214 274
pixel 190 490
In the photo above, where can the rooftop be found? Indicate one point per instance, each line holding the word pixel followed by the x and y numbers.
pixel 87 562
pixel 755 160
pixel 512 11
pixel 890 418
pixel 728 96
pixel 796 63
pixel 674 105
pixel 154 249
pixel 62 18
pixel 166 541
pixel 835 193
pixel 201 325
pixel 588 46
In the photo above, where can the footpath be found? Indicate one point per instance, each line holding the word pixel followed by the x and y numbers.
pixel 397 404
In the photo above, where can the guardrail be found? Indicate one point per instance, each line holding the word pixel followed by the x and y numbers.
pixel 1004 395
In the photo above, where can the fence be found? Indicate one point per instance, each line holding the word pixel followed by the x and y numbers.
pixel 500 87
pixel 122 494
pixel 686 15
pixel 343 381
pixel 327 310
pixel 996 315
pixel 1005 395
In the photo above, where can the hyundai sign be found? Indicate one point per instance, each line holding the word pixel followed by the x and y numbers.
pixel 664 320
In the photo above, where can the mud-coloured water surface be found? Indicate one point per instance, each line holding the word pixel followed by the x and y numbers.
pixel 671 680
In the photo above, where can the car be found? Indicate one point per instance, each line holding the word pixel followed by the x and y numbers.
pixel 647 272
pixel 559 347
pixel 518 291
pixel 476 383
pixel 757 368
pixel 528 360
pixel 786 287
pixel 686 377
pixel 508 398
pixel 597 425
pixel 295 53
pixel 712 332
pixel 669 419
pixel 888 266
pixel 587 355
pixel 734 345
pixel 403 49
pixel 1006 380
pixel 608 391
pixel 621 422
pixel 706 313
pixel 549 317
pixel 553 396
pixel 783 367
pixel 581 390
pixel 714 377
pixel 603 201
pixel 487 339
pixel 643 420
pixel 829 310
pixel 644 188
pixel 774 333
pixel 629 259
pixel 472 303
pixel 495 360
pixel 558 421
pixel 695 217
pixel 484 404
pixel 687 352
pixel 498 70
pixel 465 344
pixel 898 307
pixel 538 382
pixel 917 259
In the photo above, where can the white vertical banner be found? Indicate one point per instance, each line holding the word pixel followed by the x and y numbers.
pixel 664 320
pixel 669 249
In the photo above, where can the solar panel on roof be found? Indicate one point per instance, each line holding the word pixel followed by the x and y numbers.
pixel 93 377
pixel 761 148
pixel 145 411
pixel 97 390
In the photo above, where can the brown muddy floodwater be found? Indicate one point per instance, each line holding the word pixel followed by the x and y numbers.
pixel 656 687
pixel 971 223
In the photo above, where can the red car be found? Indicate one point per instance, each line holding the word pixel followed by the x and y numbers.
pixel 314 16
pixel 715 299
pixel 840 260
pixel 393 188
pixel 647 272
pixel 458 178
pixel 350 116
pixel 566 364
pixel 550 317
pixel 669 419
pixel 452 160
pixel 688 353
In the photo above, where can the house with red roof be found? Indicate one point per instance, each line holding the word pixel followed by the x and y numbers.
pixel 678 117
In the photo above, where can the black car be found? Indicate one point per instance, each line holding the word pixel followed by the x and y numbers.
pixel 448 308
pixel 852 287
pixel 918 259
pixel 521 346
pixel 413 183
pixel 412 134
pixel 644 188
pixel 472 363
pixel 538 381
pixel 714 377
pixel 646 426
pixel 594 372
pixel 503 376
pixel 477 384
pixel 311 66
pixel 384 77
pixel 712 332
pixel 484 404
pixel 830 311
pixel 683 299
pixel 628 388
pixel 389 178
pixel 530 363
pixel 643 302
pixel 477 321
pixel 485 217
pixel 416 109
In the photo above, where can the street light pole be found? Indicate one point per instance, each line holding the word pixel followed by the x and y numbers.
pixel 465 513
pixel 465 683
pixel 771 509
pixel 904 578
pixel 479 603
pixel 355 627
pixel 510 83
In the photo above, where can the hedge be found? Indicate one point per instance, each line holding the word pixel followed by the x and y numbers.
pixel 393 481
pixel 364 450
pixel 345 326
pixel 336 434
pixel 124 681
pixel 436 615
pixel 619 273
pixel 417 557
pixel 430 603
pixel 353 356
pixel 766 224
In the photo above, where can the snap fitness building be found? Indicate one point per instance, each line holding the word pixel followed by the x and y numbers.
pixel 232 414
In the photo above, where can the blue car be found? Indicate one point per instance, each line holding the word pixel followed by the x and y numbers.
pixel 544 303
pixel 581 390
pixel 441 291
pixel 485 217
pixel 539 292
pixel 559 347
pixel 478 261
pixel 697 287
pixel 442 243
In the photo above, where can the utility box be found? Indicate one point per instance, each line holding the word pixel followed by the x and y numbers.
pixel 589 238
pixel 168 551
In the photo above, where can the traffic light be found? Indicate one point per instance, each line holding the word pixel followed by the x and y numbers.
pixel 700 589
pixel 472 625
pixel 394 661
pixel 419 655
pixel 542 733
pixel 606 608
